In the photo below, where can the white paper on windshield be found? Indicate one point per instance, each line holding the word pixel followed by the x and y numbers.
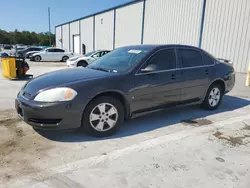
pixel 134 51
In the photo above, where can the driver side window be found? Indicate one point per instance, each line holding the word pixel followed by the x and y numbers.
pixel 96 55
pixel 163 60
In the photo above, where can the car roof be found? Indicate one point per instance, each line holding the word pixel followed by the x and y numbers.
pixel 54 48
pixel 163 46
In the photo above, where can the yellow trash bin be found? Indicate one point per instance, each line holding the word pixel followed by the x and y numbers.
pixel 9 67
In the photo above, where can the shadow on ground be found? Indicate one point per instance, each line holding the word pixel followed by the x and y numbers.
pixel 151 121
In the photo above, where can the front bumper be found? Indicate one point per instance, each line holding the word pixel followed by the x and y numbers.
pixel 71 64
pixel 49 116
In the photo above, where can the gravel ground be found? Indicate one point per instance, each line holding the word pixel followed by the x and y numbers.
pixel 184 147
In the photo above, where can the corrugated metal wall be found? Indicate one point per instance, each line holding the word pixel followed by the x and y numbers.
pixel 104 30
pixel 128 28
pixel 172 21
pixel 87 32
pixel 65 37
pixel 58 37
pixel 227 31
pixel 74 30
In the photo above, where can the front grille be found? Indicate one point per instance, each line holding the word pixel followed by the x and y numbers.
pixel 26 95
pixel 45 121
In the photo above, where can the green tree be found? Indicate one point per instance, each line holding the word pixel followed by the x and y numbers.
pixel 26 38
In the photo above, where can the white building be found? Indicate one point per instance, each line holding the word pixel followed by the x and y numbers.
pixel 222 27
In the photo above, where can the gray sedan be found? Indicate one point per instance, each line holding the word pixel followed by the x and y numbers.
pixel 125 82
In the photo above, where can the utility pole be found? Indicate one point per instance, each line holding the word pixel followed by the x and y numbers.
pixel 49 27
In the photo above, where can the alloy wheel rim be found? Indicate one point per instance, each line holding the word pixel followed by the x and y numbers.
pixel 103 117
pixel 214 97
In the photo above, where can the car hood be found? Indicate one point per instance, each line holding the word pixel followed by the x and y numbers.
pixel 58 78
pixel 78 58
pixel 37 53
pixel 30 52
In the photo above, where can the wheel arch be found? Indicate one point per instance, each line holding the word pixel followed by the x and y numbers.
pixel 39 55
pixel 118 95
pixel 216 81
pixel 65 56
pixel 83 60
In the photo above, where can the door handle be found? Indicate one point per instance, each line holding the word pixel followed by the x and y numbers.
pixel 206 72
pixel 173 76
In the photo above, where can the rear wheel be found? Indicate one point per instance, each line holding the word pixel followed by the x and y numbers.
pixel 37 58
pixel 82 64
pixel 213 97
pixel 65 58
pixel 103 116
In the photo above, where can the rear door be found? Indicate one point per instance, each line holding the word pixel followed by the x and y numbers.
pixel 58 54
pixel 159 88
pixel 194 74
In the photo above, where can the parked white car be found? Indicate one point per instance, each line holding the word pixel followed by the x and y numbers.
pixel 83 61
pixel 51 54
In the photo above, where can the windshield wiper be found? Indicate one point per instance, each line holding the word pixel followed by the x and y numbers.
pixel 99 68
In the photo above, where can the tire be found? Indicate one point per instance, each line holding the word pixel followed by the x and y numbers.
pixel 37 58
pixel 65 58
pixel 108 124
pixel 212 101
pixel 82 64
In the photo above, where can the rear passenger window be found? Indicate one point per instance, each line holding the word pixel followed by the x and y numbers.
pixel 58 50
pixel 190 58
pixel 51 50
pixel 207 59
pixel 164 60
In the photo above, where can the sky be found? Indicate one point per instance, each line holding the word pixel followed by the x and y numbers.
pixel 32 15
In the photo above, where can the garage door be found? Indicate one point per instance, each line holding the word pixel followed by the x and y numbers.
pixel 76 43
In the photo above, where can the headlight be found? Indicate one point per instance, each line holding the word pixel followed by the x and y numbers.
pixel 56 94
pixel 73 58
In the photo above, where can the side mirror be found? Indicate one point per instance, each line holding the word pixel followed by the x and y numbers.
pixel 149 68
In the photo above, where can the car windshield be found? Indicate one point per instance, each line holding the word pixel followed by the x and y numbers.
pixel 121 59
pixel 90 53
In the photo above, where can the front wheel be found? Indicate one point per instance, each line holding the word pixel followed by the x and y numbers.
pixel 213 97
pixel 103 116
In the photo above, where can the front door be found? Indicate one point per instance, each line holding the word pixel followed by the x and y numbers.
pixel 194 75
pixel 58 54
pixel 49 55
pixel 158 88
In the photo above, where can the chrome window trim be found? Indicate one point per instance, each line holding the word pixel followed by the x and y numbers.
pixel 194 67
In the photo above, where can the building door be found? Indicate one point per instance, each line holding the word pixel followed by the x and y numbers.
pixel 76 44
pixel 83 49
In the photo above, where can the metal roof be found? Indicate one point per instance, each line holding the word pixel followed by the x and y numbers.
pixel 106 10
